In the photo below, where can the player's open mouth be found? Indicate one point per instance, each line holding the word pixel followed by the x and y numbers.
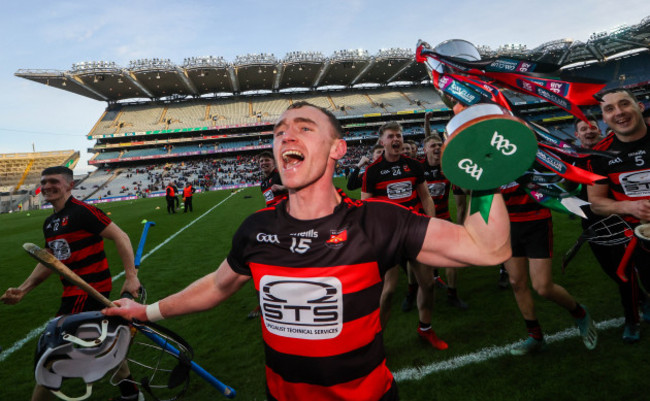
pixel 622 121
pixel 397 146
pixel 292 158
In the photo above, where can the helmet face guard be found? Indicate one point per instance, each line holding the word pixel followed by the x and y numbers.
pixel 86 345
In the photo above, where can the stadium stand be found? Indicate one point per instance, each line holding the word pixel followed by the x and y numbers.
pixel 210 131
pixel 20 174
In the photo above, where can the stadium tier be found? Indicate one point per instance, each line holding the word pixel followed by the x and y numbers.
pixel 20 174
pixel 208 111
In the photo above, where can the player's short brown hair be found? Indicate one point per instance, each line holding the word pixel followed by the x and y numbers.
pixel 599 96
pixel 336 125
pixel 265 154
pixel 64 171
pixel 391 125
pixel 432 137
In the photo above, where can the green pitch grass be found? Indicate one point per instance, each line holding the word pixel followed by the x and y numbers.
pixel 229 346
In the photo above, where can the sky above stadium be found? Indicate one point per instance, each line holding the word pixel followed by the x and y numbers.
pixel 53 35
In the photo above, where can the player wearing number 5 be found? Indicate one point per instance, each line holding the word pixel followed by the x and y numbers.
pixel 627 189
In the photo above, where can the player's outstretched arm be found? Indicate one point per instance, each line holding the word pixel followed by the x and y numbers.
pixel 14 295
pixel 203 294
pixel 473 243
pixel 603 205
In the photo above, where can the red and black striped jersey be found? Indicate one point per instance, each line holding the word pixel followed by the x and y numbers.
pixel 319 283
pixel 439 187
pixel 395 181
pixel 628 174
pixel 270 197
pixel 72 234
pixel 521 207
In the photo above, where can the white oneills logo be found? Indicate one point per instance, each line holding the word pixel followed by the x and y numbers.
pixel 471 168
pixel 268 238
pixel 308 308
pixel 502 144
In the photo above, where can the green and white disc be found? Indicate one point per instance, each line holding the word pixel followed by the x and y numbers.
pixel 487 147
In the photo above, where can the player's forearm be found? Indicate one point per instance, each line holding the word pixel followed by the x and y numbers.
pixel 38 275
pixel 125 250
pixel 205 293
pixel 427 201
pixel 605 206
pixel 492 240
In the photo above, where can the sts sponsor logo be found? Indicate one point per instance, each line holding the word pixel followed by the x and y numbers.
pixel 436 189
pixel 60 248
pixel 399 190
pixel 268 195
pixel 636 184
pixel 309 308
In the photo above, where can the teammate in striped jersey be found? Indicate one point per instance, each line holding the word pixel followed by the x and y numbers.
pixel 531 238
pixel 75 234
pixel 626 190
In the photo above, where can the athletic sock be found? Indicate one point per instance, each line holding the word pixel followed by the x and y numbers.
pixel 578 312
pixel 128 389
pixel 534 329
pixel 425 326
pixel 412 288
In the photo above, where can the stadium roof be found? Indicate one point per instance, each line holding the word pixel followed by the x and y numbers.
pixel 209 76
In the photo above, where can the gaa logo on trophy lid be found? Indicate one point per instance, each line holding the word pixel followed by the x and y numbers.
pixel 487 147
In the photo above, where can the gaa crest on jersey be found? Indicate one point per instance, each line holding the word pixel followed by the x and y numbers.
pixel 636 184
pixel 60 249
pixel 308 308
pixel 399 190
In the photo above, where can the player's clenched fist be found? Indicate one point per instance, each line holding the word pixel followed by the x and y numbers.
pixel 12 296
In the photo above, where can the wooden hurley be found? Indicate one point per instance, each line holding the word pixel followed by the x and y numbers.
pixel 48 260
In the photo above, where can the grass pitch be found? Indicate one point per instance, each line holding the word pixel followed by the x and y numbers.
pixel 230 346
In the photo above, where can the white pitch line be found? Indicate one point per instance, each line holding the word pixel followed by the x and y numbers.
pixel 37 331
pixel 488 353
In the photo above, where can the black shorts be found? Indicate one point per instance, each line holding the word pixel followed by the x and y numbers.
pixel 80 303
pixel 532 239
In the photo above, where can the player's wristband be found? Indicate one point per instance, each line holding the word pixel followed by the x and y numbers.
pixel 153 312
